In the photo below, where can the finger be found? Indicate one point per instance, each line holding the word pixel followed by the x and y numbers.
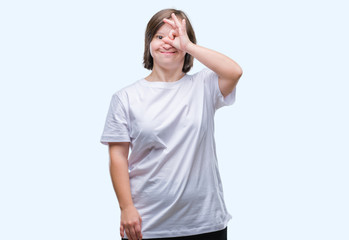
pixel 176 20
pixel 128 233
pixel 180 27
pixel 168 41
pixel 138 231
pixel 133 233
pixel 172 34
pixel 140 226
pixel 122 231
pixel 170 22
pixel 183 29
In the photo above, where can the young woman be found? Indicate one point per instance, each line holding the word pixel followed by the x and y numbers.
pixel 169 187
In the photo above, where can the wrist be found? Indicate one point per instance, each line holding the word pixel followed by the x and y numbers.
pixel 189 48
pixel 126 206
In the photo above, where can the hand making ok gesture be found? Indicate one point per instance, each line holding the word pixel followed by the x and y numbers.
pixel 178 36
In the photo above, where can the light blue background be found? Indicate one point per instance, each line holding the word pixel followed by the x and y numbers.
pixel 282 147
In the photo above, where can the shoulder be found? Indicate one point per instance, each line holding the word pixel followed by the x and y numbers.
pixel 205 73
pixel 123 93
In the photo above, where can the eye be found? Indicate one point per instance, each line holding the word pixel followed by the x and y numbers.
pixel 159 37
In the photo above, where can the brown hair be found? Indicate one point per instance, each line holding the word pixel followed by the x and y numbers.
pixel 153 26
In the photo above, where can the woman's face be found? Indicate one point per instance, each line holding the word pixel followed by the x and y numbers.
pixel 165 55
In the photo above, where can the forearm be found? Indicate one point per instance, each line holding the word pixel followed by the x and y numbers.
pixel 120 179
pixel 224 66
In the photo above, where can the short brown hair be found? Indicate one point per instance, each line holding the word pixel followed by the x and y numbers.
pixel 153 26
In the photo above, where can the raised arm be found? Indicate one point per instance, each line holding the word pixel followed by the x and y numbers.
pixel 228 71
pixel 131 221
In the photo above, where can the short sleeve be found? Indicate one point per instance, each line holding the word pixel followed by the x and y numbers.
pixel 116 124
pixel 211 80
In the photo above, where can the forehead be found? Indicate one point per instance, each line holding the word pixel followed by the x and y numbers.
pixel 166 28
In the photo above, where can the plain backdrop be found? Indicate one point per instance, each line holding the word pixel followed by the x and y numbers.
pixel 282 147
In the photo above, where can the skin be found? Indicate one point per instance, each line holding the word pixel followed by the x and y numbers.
pixel 131 220
pixel 167 60
pixel 168 48
pixel 228 71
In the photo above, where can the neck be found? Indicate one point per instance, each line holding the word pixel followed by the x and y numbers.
pixel 162 75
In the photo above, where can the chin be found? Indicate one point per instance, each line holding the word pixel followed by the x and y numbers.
pixel 171 66
pixel 170 63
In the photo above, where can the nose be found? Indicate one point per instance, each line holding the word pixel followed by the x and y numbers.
pixel 167 46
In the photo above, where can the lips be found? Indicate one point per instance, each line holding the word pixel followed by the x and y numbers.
pixel 168 53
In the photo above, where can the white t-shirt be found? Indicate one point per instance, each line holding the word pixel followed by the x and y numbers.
pixel 174 177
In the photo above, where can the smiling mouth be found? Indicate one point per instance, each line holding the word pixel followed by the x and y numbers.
pixel 168 52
